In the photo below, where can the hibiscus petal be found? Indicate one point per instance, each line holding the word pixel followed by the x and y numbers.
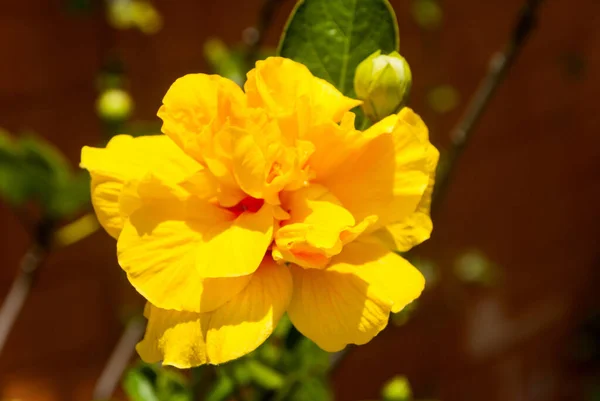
pixel 318 228
pixel 185 339
pixel 125 159
pixel 280 85
pixel 197 105
pixel 245 322
pixel 350 301
pixel 388 176
pixel 387 272
pixel 236 248
pixel 417 227
pixel 167 245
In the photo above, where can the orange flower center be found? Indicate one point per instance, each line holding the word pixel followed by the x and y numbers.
pixel 248 204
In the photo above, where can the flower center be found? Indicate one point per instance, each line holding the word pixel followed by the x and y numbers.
pixel 248 204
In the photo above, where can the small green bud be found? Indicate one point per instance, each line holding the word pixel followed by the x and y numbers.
pixel 397 389
pixel 114 105
pixel 383 84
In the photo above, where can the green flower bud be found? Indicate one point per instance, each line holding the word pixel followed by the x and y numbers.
pixel 114 104
pixel 397 389
pixel 383 84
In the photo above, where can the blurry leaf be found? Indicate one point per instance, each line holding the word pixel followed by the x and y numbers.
pixel 306 357
pixel 172 386
pixel 138 386
pixel 45 169
pixel 443 98
pixel 222 389
pixel 283 327
pixel 428 14
pixel 71 196
pixel 145 382
pixel 269 353
pixel 397 389
pixel 240 371
pixel 226 62
pixel 13 185
pixel 265 376
pixel 331 37
pixel 312 389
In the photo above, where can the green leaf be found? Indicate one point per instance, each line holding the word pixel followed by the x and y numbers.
pixel 13 184
pixel 265 376
pixel 331 37
pixel 307 357
pixel 138 386
pixel 222 389
pixel 146 382
pixel 311 389
pixel 71 196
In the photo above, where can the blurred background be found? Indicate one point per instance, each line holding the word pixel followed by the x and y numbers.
pixel 511 309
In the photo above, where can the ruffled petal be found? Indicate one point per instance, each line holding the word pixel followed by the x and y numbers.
pixel 236 248
pixel 350 301
pixel 245 322
pixel 125 159
pixel 190 255
pixel 196 106
pixel 417 227
pixel 318 228
pixel 185 339
pixel 388 176
pixel 283 86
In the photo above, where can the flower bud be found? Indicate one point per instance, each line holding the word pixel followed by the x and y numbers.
pixel 383 84
pixel 397 389
pixel 114 104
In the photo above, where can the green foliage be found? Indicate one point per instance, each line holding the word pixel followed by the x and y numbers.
pixel 225 61
pixel 145 382
pixel 231 62
pixel 331 37
pixel 32 170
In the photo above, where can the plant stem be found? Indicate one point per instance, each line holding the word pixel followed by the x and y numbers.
pixel 19 291
pixel 499 66
pixel 265 19
pixel 119 359
pixel 26 275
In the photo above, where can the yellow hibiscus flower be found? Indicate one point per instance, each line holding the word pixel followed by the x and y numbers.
pixel 263 201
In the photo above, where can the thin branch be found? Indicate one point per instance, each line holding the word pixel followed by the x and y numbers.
pixel 265 19
pixel 26 275
pixel 460 135
pixel 19 291
pixel 497 71
pixel 119 359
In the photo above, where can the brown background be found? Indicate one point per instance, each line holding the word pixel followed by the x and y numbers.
pixel 526 193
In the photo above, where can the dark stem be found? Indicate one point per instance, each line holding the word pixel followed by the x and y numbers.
pixel 265 19
pixel 119 359
pixel 460 135
pixel 498 68
pixel 28 268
